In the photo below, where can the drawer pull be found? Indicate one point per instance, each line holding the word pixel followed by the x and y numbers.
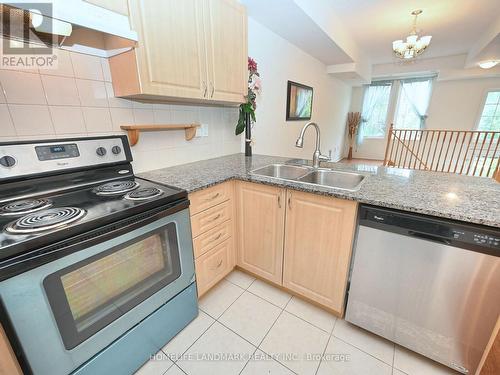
pixel 213 197
pixel 217 217
pixel 219 264
pixel 216 238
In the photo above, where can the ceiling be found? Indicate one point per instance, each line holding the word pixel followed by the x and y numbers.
pixel 455 25
pixel 288 20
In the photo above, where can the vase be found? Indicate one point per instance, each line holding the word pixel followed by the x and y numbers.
pixel 349 154
pixel 248 135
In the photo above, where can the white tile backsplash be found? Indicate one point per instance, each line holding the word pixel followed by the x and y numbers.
pixel 7 127
pixel 97 120
pixel 31 120
pixel 22 88
pixel 87 67
pixel 64 66
pixel 77 99
pixel 60 116
pixel 92 93
pixel 60 90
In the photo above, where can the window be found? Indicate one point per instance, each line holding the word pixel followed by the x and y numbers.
pixel 407 108
pixel 375 105
pixel 490 117
pixel 413 100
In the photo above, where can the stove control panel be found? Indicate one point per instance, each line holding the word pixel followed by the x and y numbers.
pixel 18 159
pixel 60 151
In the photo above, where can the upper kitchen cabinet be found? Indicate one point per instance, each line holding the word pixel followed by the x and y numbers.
pixel 226 41
pixel 190 50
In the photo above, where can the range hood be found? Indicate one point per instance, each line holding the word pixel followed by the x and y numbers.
pixel 74 25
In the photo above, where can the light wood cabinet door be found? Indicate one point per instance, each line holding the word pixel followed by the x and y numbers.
pixel 171 56
pixel 260 215
pixel 318 241
pixel 213 266
pixel 227 52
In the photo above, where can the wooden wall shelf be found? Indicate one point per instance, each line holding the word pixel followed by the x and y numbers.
pixel 133 131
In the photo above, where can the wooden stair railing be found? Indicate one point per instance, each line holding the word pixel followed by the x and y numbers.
pixel 467 152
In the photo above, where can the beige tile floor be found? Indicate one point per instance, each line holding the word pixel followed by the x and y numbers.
pixel 248 327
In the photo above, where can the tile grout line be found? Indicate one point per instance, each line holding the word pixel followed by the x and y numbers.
pixel 323 354
pixel 267 333
pixel 184 352
pixel 354 346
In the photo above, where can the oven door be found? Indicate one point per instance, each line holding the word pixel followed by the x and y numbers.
pixel 68 310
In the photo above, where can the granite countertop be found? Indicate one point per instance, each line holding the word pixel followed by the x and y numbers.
pixel 469 199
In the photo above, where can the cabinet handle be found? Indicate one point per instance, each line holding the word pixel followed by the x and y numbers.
pixel 212 89
pixel 204 89
pixel 216 238
pixel 290 201
pixel 218 264
pixel 213 197
pixel 215 218
pixel 279 201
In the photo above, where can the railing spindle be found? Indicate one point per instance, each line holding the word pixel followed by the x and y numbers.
pixel 403 147
pixel 430 148
pixel 441 150
pixel 453 153
pixel 487 152
pixel 493 156
pixel 460 152
pixel 480 151
pixel 435 149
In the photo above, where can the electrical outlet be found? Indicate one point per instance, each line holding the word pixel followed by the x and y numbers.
pixel 202 131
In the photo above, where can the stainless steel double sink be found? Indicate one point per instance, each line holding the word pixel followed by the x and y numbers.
pixel 314 176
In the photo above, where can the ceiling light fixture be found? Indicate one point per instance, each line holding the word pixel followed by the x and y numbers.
pixel 488 64
pixel 414 44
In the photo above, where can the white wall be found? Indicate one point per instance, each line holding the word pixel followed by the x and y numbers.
pixel 279 61
pixel 455 104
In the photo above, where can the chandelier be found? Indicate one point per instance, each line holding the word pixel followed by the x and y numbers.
pixel 414 44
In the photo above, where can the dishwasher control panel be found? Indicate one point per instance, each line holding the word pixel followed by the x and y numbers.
pixel 435 229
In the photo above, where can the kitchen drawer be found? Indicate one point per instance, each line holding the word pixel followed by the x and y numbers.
pixel 212 196
pixel 209 219
pixel 213 237
pixel 212 266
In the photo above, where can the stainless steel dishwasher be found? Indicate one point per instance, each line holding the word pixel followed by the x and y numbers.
pixel 427 284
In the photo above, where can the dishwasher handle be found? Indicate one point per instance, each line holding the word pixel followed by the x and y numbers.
pixel 429 237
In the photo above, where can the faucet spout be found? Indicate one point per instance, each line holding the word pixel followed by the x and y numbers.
pixel 317 156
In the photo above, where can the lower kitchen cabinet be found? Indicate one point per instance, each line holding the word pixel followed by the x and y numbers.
pixel 212 226
pixel 214 265
pixel 318 240
pixel 260 212
pixel 301 241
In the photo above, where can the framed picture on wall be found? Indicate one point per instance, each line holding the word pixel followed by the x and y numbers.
pixel 299 101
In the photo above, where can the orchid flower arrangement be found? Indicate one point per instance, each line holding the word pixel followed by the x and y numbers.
pixel 249 107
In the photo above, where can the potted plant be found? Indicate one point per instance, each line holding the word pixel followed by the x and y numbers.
pixel 247 109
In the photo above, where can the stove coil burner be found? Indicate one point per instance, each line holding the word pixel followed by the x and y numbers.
pixel 51 218
pixel 116 188
pixel 143 194
pixel 25 207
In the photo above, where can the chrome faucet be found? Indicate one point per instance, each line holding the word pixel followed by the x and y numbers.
pixel 317 156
